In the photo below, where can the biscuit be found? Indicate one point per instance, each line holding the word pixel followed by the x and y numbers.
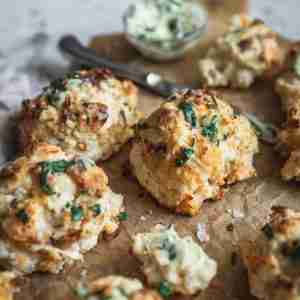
pixel 247 51
pixel 87 113
pixel 190 148
pixel 171 263
pixel 53 208
pixel 273 259
pixel 117 287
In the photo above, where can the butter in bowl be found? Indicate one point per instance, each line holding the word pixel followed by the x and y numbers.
pixel 164 30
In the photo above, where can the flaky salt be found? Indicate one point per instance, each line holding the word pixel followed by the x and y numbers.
pixel 202 233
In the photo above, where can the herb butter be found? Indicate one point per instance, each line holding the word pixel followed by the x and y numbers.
pixel 163 22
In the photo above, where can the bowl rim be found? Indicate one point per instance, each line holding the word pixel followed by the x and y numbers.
pixel 189 36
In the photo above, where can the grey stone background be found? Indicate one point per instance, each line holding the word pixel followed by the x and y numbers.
pixel 21 20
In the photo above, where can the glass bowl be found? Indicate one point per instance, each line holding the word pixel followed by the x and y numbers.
pixel 168 50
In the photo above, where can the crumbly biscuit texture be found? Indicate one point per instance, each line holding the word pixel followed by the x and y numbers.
pixel 172 262
pixel 7 286
pixel 53 208
pixel 190 148
pixel 288 88
pixel 117 288
pixel 273 259
pixel 247 51
pixel 87 113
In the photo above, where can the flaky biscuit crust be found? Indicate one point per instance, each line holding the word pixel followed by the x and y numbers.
pixel 132 288
pixel 288 88
pixel 249 50
pixel 88 113
pixel 53 208
pixel 273 259
pixel 190 148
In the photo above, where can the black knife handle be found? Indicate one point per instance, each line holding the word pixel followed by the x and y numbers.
pixel 72 47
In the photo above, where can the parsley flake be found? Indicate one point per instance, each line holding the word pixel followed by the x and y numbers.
pixel 97 209
pixel 76 213
pixel 81 292
pixel 50 168
pixel 268 231
pixel 165 289
pixel 170 248
pixel 189 113
pixel 123 216
pixel 22 216
pixel 185 155
pixel 211 129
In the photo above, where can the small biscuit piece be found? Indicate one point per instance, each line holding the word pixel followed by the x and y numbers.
pixel 288 88
pixel 53 208
pixel 273 259
pixel 88 113
pixel 191 147
pixel 172 263
pixel 117 288
pixel 249 50
pixel 7 288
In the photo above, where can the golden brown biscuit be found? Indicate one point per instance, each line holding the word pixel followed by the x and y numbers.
pixel 173 264
pixel 53 208
pixel 117 288
pixel 273 260
pixel 7 287
pixel 88 113
pixel 190 148
pixel 288 87
pixel 249 50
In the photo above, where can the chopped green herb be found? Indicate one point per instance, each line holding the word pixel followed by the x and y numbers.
pixel 189 113
pixel 170 248
pixel 211 130
pixel 76 213
pixel 297 65
pixel 81 292
pixel 54 89
pixel 68 205
pixel 22 216
pixel 185 155
pixel 164 289
pixel 96 209
pixel 295 254
pixel 52 167
pixel 268 231
pixel 123 216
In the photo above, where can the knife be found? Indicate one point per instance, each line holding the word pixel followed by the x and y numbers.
pixel 70 46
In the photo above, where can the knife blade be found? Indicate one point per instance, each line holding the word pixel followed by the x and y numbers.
pixel 71 47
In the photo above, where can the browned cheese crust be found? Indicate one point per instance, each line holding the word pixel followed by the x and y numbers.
pixel 53 208
pixel 247 51
pixel 89 113
pixel 118 287
pixel 190 148
pixel 288 87
pixel 273 259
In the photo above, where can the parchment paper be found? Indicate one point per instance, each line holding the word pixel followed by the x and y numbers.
pixel 237 217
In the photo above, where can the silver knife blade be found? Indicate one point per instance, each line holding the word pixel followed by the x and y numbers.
pixel 70 46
